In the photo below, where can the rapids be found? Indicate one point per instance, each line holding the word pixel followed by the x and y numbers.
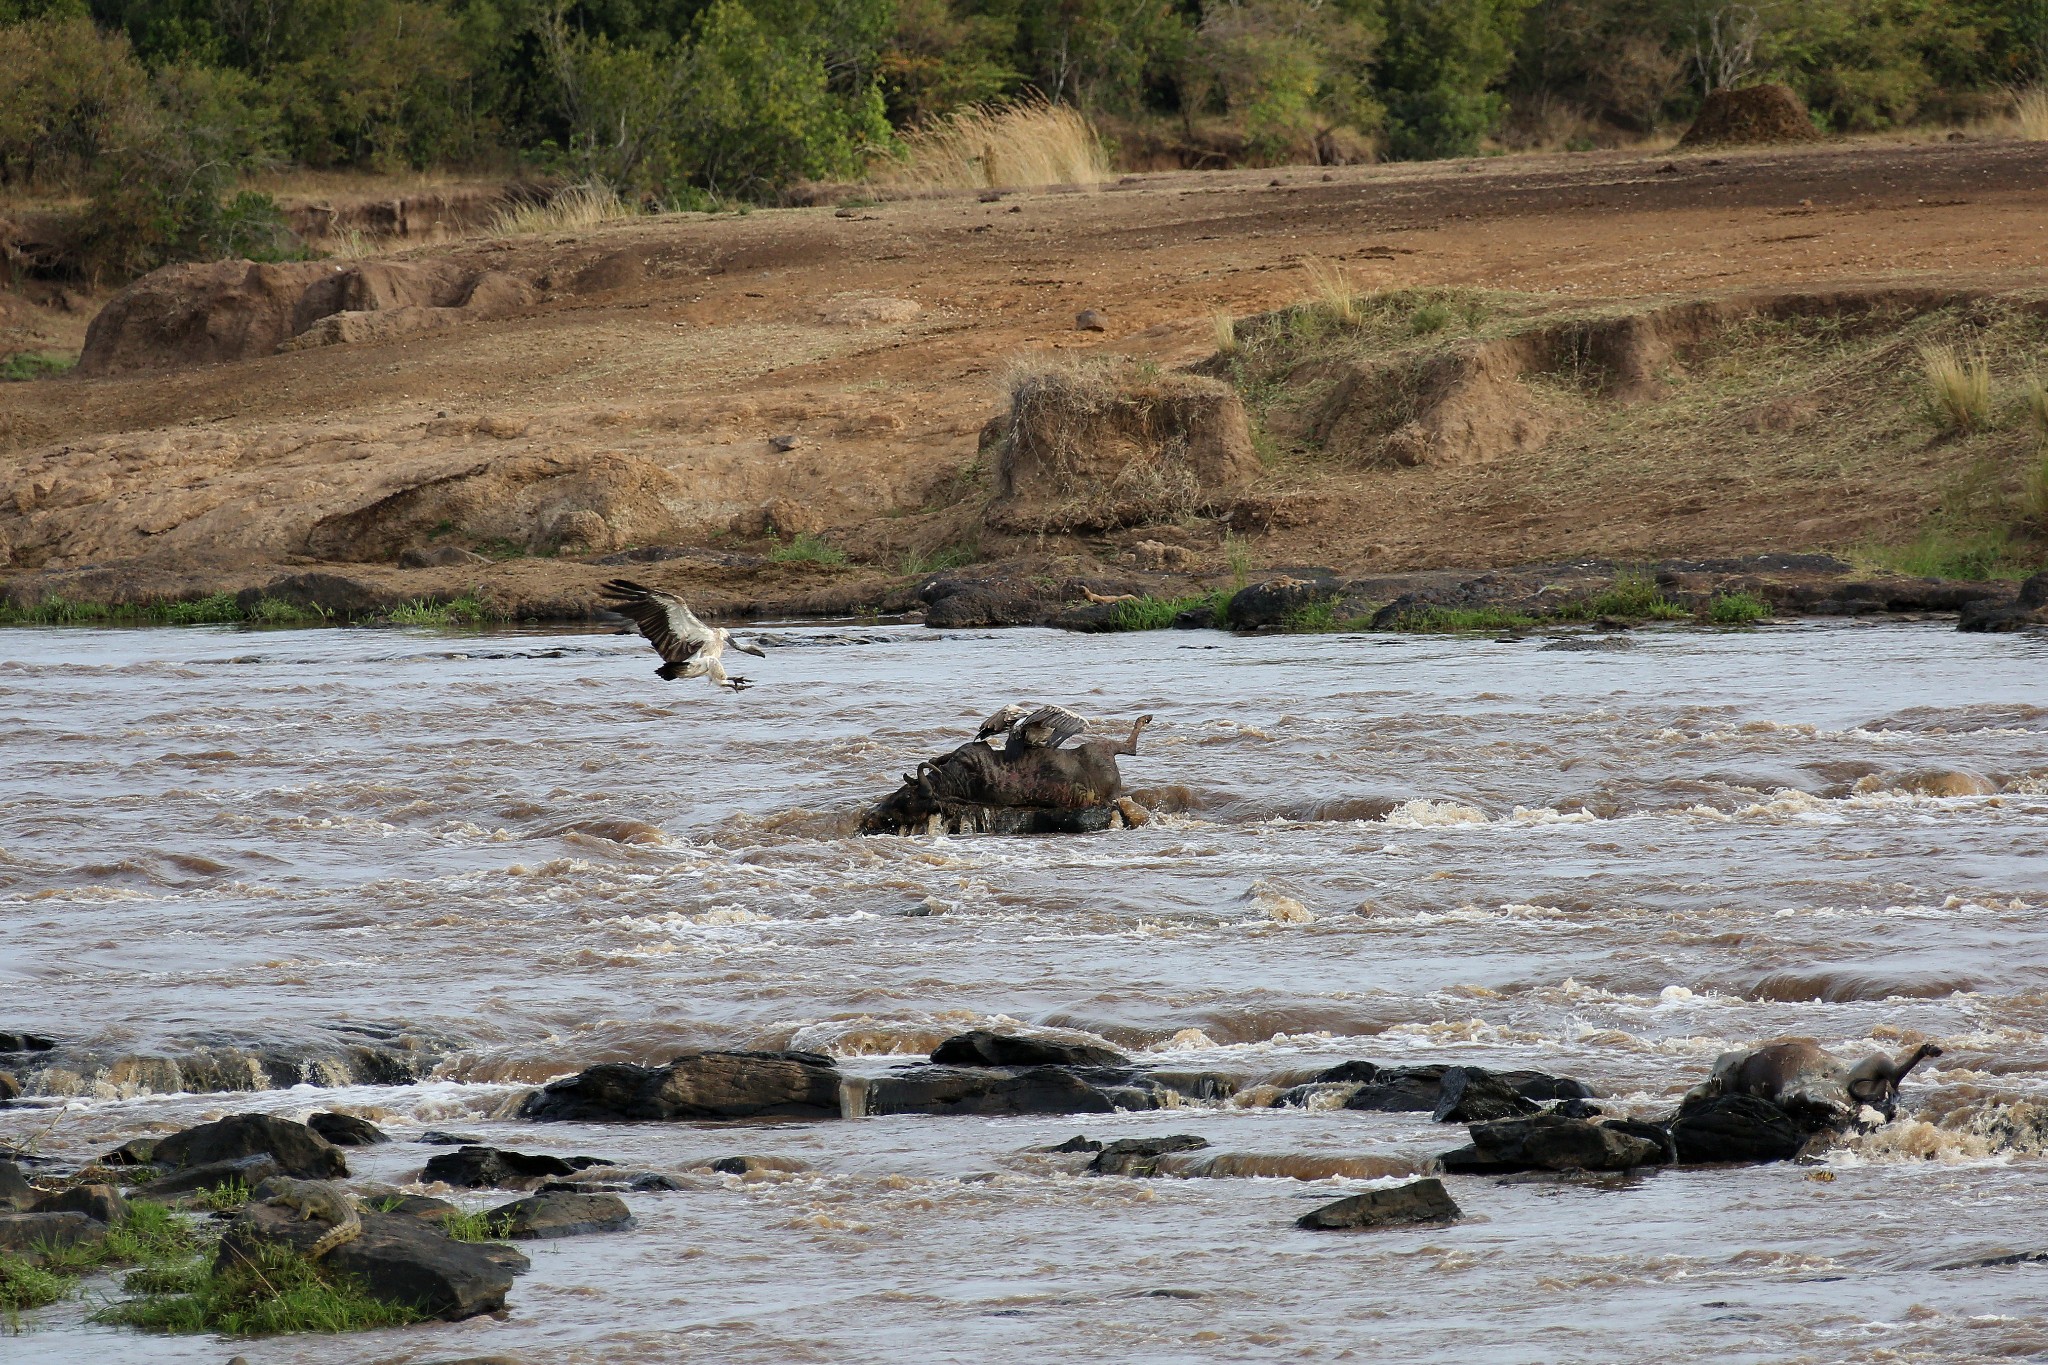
pixel 522 853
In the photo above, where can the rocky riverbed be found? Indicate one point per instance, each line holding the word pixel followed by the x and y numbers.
pixel 605 959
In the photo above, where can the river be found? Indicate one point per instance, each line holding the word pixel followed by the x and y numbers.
pixel 521 853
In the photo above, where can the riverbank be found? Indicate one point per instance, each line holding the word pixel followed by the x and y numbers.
pixel 796 405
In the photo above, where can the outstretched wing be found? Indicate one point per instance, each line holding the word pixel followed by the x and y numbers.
pixel 1060 723
pixel 1001 721
pixel 664 618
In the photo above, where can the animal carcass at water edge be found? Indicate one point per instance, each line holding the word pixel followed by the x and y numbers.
pixel 1030 785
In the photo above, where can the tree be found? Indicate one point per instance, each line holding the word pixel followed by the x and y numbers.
pixel 1438 71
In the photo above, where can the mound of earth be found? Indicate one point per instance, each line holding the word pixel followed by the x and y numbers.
pixel 1755 113
pixel 204 314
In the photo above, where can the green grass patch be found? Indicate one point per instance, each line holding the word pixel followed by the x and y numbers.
pixel 25 1284
pixel 1633 595
pixel 1737 609
pixel 1321 618
pixel 1451 620
pixel 807 549
pixel 476 1227
pixel 1158 613
pixel 25 365
pixel 231 1197
pixel 1972 555
pixel 274 1292
pixel 218 609
pixel 1428 319
pixel 467 610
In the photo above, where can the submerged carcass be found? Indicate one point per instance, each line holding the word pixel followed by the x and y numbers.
pixel 1030 785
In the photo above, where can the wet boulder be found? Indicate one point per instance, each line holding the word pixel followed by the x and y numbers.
pixel 35 1232
pixel 558 1213
pixel 1471 1094
pixel 15 1191
pixel 396 1258
pixel 757 1165
pixel 346 1130
pixel 101 1202
pixel 983 1047
pixel 1550 1142
pixel 1736 1128
pixel 1999 614
pixel 1269 605
pixel 1140 1156
pixel 297 1149
pixel 1421 1201
pixel 191 1180
pixel 483 1167
pixel 928 1089
pixel 697 1085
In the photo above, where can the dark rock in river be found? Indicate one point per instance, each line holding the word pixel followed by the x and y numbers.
pixel 346 1130
pixel 133 1152
pixel 1550 1142
pixel 249 1170
pixel 297 1149
pixel 1079 1142
pixel 1736 1128
pixel 982 1047
pixel 1267 605
pixel 698 1085
pixel 15 1191
pixel 1140 1156
pixel 34 1232
pixel 1471 1094
pixel 102 1202
pixel 1006 1090
pixel 482 1167
pixel 757 1165
pixel 397 1259
pixel 25 1042
pixel 1422 1201
pixel 1421 1089
pixel 552 1214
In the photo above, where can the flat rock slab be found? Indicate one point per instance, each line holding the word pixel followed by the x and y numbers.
pixel 297 1149
pixel 982 1047
pixel 697 1085
pixel 32 1231
pixel 1736 1128
pixel 1421 1201
pixel 552 1214
pixel 1140 1156
pixel 101 1202
pixel 1551 1142
pixel 1010 1090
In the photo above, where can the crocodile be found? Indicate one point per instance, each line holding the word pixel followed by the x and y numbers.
pixel 315 1200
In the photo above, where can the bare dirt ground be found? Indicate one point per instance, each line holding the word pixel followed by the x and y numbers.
pixel 670 350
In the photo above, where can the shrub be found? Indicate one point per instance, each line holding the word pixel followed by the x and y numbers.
pixel 1958 388
pixel 1430 317
pixel 1437 69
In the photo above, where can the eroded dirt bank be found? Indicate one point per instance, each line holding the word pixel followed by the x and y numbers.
pixel 544 403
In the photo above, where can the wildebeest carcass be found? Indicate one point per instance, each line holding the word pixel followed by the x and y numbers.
pixel 1031 785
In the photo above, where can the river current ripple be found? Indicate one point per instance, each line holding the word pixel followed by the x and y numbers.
pixel 1610 865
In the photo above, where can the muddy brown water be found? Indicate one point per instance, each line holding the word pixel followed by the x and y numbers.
pixel 1607 865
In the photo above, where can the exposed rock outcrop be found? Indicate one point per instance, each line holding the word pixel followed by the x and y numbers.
pixel 1421 1201
pixel 698 1085
pixel 297 1149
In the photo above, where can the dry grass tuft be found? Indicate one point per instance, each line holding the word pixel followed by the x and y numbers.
pixel 1958 388
pixel 568 209
pixel 986 146
pixel 1334 291
pixel 2034 493
pixel 2030 113
pixel 1226 332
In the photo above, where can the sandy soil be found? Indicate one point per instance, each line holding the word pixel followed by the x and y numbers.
pixel 877 335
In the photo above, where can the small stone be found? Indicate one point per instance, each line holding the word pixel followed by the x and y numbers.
pixel 1422 1201
pixel 786 442
pixel 749 1165
pixel 558 1213
pixel 1080 1142
pixel 15 1191
pixel 10 1087
pixel 1091 320
pixel 346 1130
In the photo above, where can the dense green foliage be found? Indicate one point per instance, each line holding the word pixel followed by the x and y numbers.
pixel 154 109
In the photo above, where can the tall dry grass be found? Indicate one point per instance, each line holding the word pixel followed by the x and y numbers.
pixel 1335 294
pixel 1225 324
pixel 987 146
pixel 2034 494
pixel 571 208
pixel 2030 113
pixel 1958 393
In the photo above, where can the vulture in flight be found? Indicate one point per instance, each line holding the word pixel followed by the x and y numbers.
pixel 688 647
